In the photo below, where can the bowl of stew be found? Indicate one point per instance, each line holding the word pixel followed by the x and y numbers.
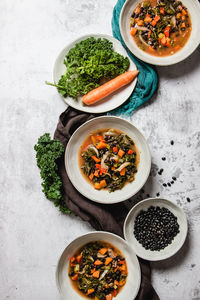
pixel 107 159
pixel 100 266
pixel 161 32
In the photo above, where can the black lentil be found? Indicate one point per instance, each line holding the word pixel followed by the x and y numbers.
pixel 174 178
pixel 163 158
pixel 169 184
pixel 155 228
pixel 188 199
pixel 172 182
pixel 172 142
pixel 164 184
pixel 158 194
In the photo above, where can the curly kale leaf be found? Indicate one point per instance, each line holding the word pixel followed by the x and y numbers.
pixel 48 152
pixel 87 63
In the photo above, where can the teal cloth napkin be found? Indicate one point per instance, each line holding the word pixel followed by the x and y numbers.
pixel 147 78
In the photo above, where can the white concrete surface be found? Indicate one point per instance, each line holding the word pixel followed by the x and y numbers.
pixel 33 232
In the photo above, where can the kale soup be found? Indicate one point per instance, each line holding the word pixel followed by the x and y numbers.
pixel 108 159
pixel 160 27
pixel 98 270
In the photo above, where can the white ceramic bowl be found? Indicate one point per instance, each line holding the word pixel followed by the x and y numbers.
pixel 76 176
pixel 110 102
pixel 130 289
pixel 194 39
pixel 172 248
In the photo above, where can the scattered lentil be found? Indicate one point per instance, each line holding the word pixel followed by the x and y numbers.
pixel 164 184
pixel 163 158
pixel 174 178
pixel 188 199
pixel 172 182
pixel 172 142
pixel 155 228
pixel 169 184
pixel 158 194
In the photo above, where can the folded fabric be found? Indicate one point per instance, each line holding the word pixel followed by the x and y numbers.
pixel 100 216
pixel 147 78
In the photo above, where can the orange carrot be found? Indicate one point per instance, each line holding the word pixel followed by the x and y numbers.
pixel 91 176
pixel 133 31
pixel 98 166
pixel 103 250
pixel 115 149
pixel 93 139
pixel 90 291
pixel 140 22
pixel 121 152
pixel 163 40
pixel 75 277
pixel 162 11
pixel 109 87
pixel 78 258
pixel 108 260
pixel 130 151
pixel 97 160
pixel 103 171
pixel 183 12
pixel 114 293
pixel 123 171
pixel 103 183
pixel 99 137
pixel 72 259
pixel 96 173
pixel 166 31
pixel 96 274
pixel 98 262
pixel 101 145
pixel 97 186
pixel 109 297
pixel 148 18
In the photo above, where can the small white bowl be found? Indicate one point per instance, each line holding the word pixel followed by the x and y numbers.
pixel 193 42
pixel 76 176
pixel 178 240
pixel 110 102
pixel 130 289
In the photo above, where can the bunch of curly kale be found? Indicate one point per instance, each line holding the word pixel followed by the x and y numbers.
pixel 48 152
pixel 87 64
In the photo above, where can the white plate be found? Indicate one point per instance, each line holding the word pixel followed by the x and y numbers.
pixel 110 102
pixel 130 289
pixel 177 242
pixel 74 172
pixel 194 39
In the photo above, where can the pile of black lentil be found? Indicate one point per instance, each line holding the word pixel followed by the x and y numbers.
pixel 155 228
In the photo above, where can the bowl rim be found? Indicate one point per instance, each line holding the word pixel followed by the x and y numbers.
pixel 78 39
pixel 125 197
pixel 150 58
pixel 166 201
pixel 96 233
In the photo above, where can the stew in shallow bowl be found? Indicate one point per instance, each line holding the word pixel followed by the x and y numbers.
pixel 161 32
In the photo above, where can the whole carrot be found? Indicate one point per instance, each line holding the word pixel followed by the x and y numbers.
pixel 109 87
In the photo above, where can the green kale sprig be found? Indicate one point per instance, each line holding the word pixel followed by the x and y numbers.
pixel 48 151
pixel 87 64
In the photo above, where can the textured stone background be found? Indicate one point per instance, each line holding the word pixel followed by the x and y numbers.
pixel 33 232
